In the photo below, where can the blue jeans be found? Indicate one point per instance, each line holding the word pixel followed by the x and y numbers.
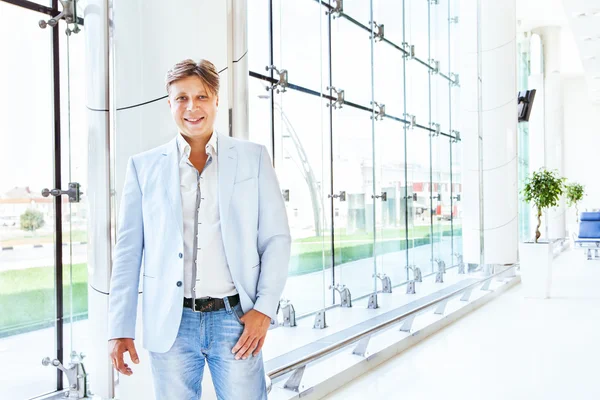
pixel 208 337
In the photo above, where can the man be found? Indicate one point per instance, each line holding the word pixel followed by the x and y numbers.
pixel 206 212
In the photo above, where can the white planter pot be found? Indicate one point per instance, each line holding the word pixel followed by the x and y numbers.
pixel 536 269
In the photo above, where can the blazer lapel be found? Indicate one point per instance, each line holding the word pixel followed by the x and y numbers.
pixel 227 156
pixel 171 180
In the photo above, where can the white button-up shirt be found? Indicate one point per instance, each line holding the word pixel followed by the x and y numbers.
pixel 206 273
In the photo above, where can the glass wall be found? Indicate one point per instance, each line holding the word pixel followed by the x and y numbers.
pixel 361 138
pixel 43 237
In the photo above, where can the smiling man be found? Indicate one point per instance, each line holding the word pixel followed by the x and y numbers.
pixel 206 212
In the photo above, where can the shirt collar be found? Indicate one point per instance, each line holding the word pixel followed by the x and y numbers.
pixel 185 149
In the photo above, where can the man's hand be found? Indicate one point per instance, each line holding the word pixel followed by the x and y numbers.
pixel 116 348
pixel 256 325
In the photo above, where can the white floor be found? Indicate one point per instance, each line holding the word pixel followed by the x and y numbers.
pixel 512 348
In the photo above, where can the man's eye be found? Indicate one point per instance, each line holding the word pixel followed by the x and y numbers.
pixel 181 98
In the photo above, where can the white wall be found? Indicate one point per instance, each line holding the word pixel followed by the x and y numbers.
pixel 581 141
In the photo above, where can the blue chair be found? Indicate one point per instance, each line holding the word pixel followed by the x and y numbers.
pixel 589 233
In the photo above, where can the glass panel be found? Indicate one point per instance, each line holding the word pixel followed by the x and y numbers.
pixel 308 18
pixel 74 169
pixel 353 218
pixel 27 270
pixel 259 116
pixel 390 14
pixel 417 28
pixel 305 179
pixel 456 149
pixel 359 10
pixel 389 77
pixel 390 214
pixel 439 34
pixel 419 224
pixel 442 207
pixel 258 36
pixel 351 61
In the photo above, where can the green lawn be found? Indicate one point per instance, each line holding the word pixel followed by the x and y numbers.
pixel 29 238
pixel 27 299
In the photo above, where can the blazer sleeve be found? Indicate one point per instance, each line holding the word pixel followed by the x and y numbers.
pixel 127 259
pixel 274 239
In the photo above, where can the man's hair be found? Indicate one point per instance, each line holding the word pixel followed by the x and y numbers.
pixel 204 69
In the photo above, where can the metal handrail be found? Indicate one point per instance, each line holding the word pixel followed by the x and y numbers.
pixel 290 367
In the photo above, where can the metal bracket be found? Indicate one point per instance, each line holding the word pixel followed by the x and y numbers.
pixel 466 295
pixel 435 67
pixel 378 111
pixel 456 137
pixel 455 79
pixel 378 31
pixel 441 264
pixel 69 14
pixel 437 129
pixel 434 2
pixel 453 20
pixel 407 325
pixel 457 197
pixel 336 10
pixel 441 308
pixel 409 51
pixel 373 304
pixel 439 277
pixel 411 120
pixel 282 84
pixel 320 322
pixel 437 197
pixel 386 283
pixel 345 296
pixel 293 383
pixel 461 264
pixel 361 348
pixel 341 196
pixel 289 313
pixel 340 97
pixel 411 287
pixel 411 196
pixel 75 374
pixel 74 192
pixel 486 285
pixel 382 196
pixel 417 276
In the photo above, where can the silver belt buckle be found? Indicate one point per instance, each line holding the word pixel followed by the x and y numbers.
pixel 194 305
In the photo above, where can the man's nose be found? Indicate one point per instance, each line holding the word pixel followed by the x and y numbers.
pixel 192 105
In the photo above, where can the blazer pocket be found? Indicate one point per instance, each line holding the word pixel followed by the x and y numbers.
pixel 148 276
pixel 244 180
pixel 256 266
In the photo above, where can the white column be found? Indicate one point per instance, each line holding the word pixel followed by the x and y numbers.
pixel 553 123
pixel 131 115
pixel 488 126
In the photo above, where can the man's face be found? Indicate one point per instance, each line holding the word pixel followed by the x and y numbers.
pixel 193 106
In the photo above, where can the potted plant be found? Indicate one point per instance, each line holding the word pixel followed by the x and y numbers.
pixel 542 189
pixel 574 193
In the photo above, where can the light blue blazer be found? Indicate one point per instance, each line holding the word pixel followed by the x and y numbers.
pixel 255 233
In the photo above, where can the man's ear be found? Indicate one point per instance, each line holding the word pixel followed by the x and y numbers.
pixel 217 101
pixel 169 102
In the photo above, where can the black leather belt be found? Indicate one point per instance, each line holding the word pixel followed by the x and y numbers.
pixel 208 304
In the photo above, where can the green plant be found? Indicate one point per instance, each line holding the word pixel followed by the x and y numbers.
pixel 543 189
pixel 32 220
pixel 575 193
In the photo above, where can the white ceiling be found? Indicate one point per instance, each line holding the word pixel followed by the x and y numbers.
pixel 580 34
pixel 584 22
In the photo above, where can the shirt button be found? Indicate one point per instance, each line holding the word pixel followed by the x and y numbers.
pixel 179 283
pixel 180 255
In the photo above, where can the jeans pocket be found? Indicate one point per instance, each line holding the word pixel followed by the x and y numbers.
pixel 237 313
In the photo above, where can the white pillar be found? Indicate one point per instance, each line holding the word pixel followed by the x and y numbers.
pixel 130 46
pixel 553 123
pixel 488 126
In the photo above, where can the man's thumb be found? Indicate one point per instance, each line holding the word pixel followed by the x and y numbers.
pixel 133 354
